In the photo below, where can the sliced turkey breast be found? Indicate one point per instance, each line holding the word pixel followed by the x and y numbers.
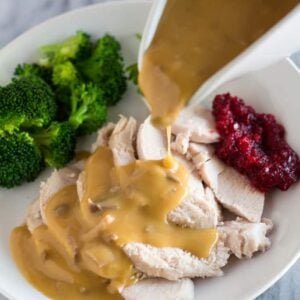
pixel 175 263
pixel 244 238
pixel 196 124
pixel 236 193
pixel 233 190
pixel 181 143
pixel 34 217
pixel 210 170
pixel 58 180
pixel 199 154
pixel 198 209
pixel 122 141
pixel 160 289
pixel 103 136
pixel 151 142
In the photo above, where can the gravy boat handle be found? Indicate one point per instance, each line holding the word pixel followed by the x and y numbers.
pixel 278 42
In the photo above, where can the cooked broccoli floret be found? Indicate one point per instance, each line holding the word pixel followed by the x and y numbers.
pixel 138 36
pixel 11 122
pixel 57 143
pixel 74 48
pixel 105 68
pixel 88 109
pixel 133 73
pixel 34 70
pixel 20 159
pixel 26 102
pixel 65 75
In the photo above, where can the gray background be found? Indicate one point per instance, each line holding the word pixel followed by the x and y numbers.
pixel 16 16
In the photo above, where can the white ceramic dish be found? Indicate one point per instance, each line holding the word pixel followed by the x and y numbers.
pixel 243 279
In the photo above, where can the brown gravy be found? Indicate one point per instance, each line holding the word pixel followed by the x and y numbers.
pixel 196 38
pixel 78 254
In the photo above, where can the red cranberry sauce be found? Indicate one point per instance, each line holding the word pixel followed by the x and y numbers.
pixel 254 144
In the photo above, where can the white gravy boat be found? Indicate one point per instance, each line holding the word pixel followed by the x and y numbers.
pixel 279 42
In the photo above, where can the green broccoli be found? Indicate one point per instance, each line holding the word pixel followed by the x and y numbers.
pixel 105 68
pixel 11 122
pixel 20 159
pixel 57 143
pixel 58 78
pixel 34 70
pixel 133 74
pixel 26 102
pixel 88 109
pixel 74 48
pixel 138 36
pixel 65 75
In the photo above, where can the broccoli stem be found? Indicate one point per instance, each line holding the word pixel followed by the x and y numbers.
pixel 43 138
pixel 78 116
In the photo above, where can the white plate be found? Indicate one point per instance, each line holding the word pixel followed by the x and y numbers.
pixel 242 280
